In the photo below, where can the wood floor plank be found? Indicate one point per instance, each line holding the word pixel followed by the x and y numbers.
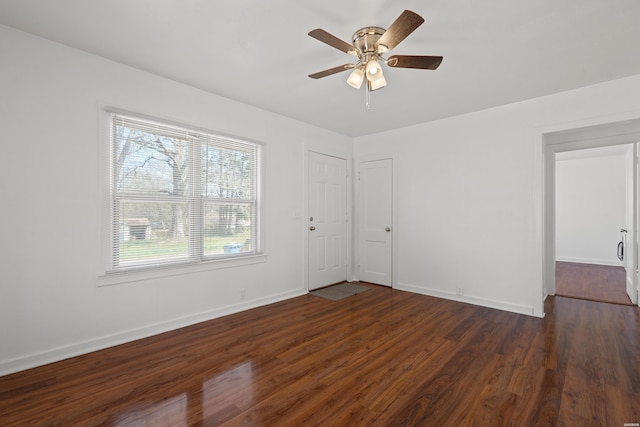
pixel 380 358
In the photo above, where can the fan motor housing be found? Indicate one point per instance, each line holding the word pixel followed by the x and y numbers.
pixel 366 38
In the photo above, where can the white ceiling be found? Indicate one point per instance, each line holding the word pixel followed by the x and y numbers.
pixel 258 52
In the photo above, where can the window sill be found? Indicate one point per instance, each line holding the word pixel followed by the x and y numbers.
pixel 136 275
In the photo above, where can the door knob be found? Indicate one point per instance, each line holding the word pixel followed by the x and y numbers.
pixel 387 229
pixel 312 228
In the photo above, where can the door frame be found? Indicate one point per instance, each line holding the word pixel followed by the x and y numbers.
pixel 602 135
pixel 349 206
pixel 393 156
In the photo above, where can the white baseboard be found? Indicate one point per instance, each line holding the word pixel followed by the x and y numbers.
pixel 88 346
pixel 484 302
pixel 612 263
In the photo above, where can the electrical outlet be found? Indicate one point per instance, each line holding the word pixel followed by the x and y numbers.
pixel 242 293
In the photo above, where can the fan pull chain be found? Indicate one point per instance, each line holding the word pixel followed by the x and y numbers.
pixel 368 97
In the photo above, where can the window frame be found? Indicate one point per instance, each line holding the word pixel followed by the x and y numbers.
pixel 196 260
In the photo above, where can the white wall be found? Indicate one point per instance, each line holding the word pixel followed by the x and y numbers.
pixel 470 194
pixel 590 208
pixel 50 306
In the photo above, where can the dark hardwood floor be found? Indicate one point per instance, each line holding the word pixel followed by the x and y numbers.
pixel 380 358
pixel 592 282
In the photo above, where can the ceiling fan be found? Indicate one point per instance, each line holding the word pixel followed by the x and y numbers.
pixel 369 45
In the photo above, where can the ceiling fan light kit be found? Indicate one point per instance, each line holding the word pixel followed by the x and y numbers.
pixel 368 45
pixel 356 78
pixel 377 84
pixel 374 71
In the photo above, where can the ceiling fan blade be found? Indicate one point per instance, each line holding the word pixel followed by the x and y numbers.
pixel 414 61
pixel 331 71
pixel 406 24
pixel 333 41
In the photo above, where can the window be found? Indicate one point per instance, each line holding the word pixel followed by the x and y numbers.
pixel 179 195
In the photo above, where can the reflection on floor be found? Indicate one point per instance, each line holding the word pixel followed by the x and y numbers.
pixel 592 282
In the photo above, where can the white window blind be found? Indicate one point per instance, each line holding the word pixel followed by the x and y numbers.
pixel 180 195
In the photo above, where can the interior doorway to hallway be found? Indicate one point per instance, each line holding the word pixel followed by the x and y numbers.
pixel 592 206
pixel 604 135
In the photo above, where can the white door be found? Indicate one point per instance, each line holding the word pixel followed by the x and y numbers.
pixel 375 221
pixel 327 225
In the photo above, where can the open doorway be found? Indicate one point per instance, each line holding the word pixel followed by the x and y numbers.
pixel 606 135
pixel 591 205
